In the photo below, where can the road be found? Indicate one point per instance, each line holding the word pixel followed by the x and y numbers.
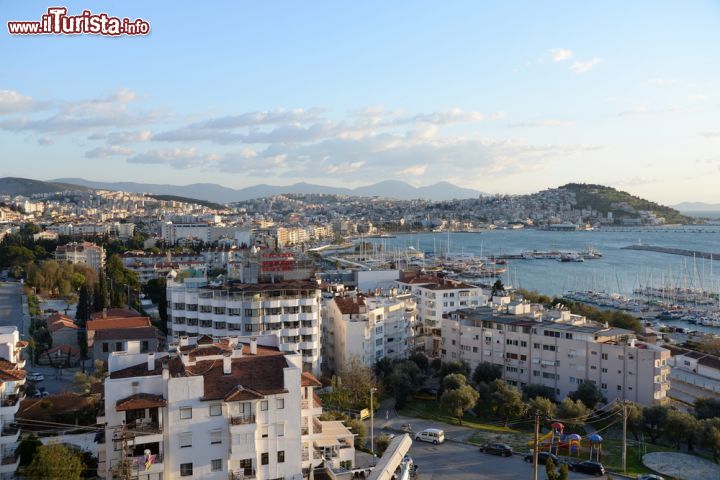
pixel 11 306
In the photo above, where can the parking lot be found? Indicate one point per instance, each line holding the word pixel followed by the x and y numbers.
pixel 452 460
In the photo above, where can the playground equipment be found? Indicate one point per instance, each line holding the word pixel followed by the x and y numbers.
pixel 595 445
pixel 574 443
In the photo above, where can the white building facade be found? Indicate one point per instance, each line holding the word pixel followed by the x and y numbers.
pixel 558 350
pixel 290 310
pixel 12 377
pixel 216 411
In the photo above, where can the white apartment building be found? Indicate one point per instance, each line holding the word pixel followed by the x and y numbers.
pixel 12 377
pixel 368 327
pixel 85 253
pixel 216 411
pixel 289 309
pixel 436 297
pixel 558 350
pixel 693 375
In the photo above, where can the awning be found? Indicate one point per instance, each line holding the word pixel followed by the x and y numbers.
pixel 140 400
pixel 326 442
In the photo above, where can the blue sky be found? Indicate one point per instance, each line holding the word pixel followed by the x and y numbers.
pixel 505 97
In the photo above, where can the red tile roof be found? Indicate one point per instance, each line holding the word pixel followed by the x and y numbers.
pixel 349 305
pixel 62 323
pixel 115 313
pixel 307 379
pixel 9 372
pixel 32 408
pixel 140 400
pixel 118 322
pixel 126 334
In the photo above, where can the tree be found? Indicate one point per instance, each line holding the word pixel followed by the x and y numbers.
pixel 710 436
pixel 454 381
pixel 707 408
pixel 358 428
pixel 680 427
pixel 27 449
pixel 546 407
pixel 588 393
pixel 498 289
pixel 486 372
pixel 533 390
pixel 653 420
pixel 421 360
pixel 383 367
pixel 381 444
pixel 454 366
pixel 357 379
pixel 572 413
pixel 458 400
pixel 507 401
pixel 82 314
pixel 55 462
pixel 100 296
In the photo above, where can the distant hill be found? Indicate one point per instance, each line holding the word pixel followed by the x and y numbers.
pixel 219 194
pixel 175 198
pixel 607 199
pixel 697 207
pixel 27 186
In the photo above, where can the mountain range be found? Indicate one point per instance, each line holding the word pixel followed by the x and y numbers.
pixel 217 193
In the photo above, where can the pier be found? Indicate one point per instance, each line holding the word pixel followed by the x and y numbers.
pixel 674 251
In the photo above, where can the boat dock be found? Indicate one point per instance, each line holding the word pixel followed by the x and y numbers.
pixel 674 251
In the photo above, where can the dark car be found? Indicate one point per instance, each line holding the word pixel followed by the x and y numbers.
pixel 497 449
pixel 542 458
pixel 592 468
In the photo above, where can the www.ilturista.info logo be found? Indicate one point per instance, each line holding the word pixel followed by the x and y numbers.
pixel 57 22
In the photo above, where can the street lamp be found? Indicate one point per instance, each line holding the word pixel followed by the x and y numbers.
pixel 372 425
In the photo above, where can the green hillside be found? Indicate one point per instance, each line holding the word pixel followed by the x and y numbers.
pixel 607 199
pixel 176 198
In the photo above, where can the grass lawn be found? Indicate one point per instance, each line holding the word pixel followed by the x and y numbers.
pixel 430 410
pixel 612 456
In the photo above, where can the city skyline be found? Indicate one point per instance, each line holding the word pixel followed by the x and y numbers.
pixel 502 99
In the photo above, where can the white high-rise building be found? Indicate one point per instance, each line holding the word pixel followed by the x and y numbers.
pixel 12 377
pixel 289 309
pixel 435 298
pixel 367 327
pixel 82 252
pixel 559 350
pixel 216 411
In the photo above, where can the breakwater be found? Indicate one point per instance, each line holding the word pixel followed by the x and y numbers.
pixel 674 251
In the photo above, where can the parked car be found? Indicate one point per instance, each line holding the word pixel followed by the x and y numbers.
pixel 497 449
pixel 593 468
pixel 432 435
pixel 41 394
pixel 542 458
pixel 649 476
pixel 36 377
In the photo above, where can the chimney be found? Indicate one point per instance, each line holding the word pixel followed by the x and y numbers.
pixel 237 350
pixel 151 361
pixel 165 369
pixel 227 363
pixel 253 346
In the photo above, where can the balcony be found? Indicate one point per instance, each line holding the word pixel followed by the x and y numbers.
pixel 9 435
pixel 143 426
pixel 241 474
pixel 290 347
pixel 308 330
pixel 290 332
pixel 242 419
pixel 9 463
pixel 11 404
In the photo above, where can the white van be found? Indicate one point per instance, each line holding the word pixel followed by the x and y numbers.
pixel 432 435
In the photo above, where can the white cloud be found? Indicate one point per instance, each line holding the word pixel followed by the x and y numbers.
pixel 415 170
pixel 180 158
pixel 45 141
pixel 14 102
pixel 107 151
pixel 542 123
pixel 560 54
pixel 584 66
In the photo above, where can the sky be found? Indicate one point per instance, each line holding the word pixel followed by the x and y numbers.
pixel 504 97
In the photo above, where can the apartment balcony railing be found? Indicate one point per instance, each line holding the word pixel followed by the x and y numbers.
pixel 242 419
pixel 241 475
pixel 10 459
pixel 144 427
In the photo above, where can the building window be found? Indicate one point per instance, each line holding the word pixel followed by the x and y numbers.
pixel 186 413
pixel 264 459
pixel 186 469
pixel 280 429
pixel 215 410
pixel 144 346
pixel 604 356
pixel 186 440
pixel 281 456
pixel 216 465
pixel 264 431
pixel 118 346
pixel 215 437
pixel 105 347
pixel 280 403
pixel 264 406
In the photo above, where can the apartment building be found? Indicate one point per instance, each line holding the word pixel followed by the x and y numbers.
pixel 12 378
pixel 367 327
pixel 216 410
pixel 559 350
pixel 288 309
pixel 693 375
pixel 85 253
pixel 435 298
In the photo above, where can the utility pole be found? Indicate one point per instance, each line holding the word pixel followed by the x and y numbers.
pixel 624 446
pixel 535 445
pixel 372 426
